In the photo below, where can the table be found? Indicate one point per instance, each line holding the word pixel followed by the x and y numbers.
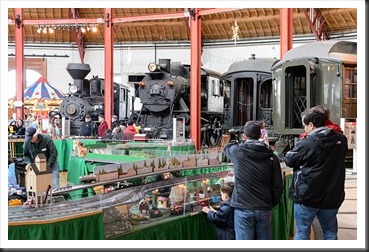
pixel 196 227
pixel 15 147
pixel 187 227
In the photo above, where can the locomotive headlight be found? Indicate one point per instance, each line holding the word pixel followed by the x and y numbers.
pixel 170 83
pixel 141 83
pixel 73 89
pixel 152 67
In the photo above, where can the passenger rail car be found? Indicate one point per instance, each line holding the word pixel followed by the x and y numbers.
pixel 317 73
pixel 87 97
pixel 247 91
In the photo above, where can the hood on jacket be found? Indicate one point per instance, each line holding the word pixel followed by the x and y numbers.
pixel 326 138
pixel 256 150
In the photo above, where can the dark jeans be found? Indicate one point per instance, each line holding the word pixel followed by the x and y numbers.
pixel 305 215
pixel 253 224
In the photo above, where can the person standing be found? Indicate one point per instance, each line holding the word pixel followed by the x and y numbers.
pixel 101 130
pixel 258 184
pixel 88 128
pixel 327 121
pixel 54 129
pixel 36 143
pixel 318 181
pixel 263 132
pixel 114 121
pixel 224 217
pixel 21 129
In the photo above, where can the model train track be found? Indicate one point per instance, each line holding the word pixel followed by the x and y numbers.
pixel 98 202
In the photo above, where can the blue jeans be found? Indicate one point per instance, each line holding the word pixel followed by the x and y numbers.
pixel 304 217
pixel 253 224
pixel 55 175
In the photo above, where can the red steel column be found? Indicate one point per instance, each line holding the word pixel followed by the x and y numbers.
pixel 19 62
pixel 286 27
pixel 195 81
pixel 108 63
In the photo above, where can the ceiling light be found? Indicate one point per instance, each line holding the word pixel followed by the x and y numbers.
pixel 44 30
pixel 94 29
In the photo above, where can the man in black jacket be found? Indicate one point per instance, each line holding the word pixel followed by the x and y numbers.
pixel 258 185
pixel 88 128
pixel 318 182
pixel 36 143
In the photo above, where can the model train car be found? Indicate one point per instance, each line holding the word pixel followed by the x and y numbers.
pixel 87 97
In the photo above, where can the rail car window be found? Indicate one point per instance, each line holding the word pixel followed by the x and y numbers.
pixel 266 97
pixel 295 79
pixel 244 100
pixel 350 92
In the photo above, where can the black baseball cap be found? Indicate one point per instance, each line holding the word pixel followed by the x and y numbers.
pixel 88 116
pixel 252 128
pixel 30 131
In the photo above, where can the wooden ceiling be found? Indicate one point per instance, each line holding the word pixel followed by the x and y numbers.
pixel 253 23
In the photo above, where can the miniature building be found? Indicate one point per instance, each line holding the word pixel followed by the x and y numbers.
pixel 140 138
pixel 163 202
pixel 143 205
pixel 38 179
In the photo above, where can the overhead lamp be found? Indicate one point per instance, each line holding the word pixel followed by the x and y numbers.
pixel 94 29
pixel 83 29
pixel 51 30
pixel 44 30
pixel 39 30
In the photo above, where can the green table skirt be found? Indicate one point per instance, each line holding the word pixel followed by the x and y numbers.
pixel 195 227
pixel 89 227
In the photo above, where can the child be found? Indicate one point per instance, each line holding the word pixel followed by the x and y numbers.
pixel 263 132
pixel 224 217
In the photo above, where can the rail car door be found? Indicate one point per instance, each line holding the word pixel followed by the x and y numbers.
pixel 350 92
pixel 243 97
pixel 297 93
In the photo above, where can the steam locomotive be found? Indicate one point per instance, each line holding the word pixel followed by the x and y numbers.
pixel 87 97
pixel 164 93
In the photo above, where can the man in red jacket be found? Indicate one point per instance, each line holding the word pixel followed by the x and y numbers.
pixel 328 123
pixel 101 131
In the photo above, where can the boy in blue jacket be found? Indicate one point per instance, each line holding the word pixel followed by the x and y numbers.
pixel 224 217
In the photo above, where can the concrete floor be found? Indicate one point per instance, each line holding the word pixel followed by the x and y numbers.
pixel 347 214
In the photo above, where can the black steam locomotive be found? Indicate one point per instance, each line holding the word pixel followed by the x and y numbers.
pixel 87 97
pixel 164 93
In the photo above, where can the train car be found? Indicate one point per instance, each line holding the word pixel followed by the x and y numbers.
pixel 317 73
pixel 248 94
pixel 87 97
pixel 164 93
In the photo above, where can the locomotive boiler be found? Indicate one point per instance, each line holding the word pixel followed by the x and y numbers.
pixel 164 93
pixel 87 97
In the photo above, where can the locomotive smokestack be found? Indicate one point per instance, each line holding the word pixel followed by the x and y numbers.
pixel 165 64
pixel 78 72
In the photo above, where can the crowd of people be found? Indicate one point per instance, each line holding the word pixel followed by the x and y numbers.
pixel 317 160
pixel 317 187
